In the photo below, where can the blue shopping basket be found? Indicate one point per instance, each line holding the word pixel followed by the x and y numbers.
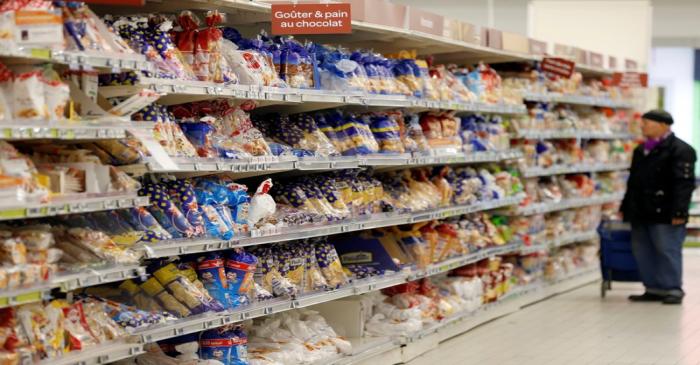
pixel 616 260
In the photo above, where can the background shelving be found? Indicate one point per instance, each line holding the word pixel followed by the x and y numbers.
pixel 118 132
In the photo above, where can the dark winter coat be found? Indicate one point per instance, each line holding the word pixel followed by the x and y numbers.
pixel 661 183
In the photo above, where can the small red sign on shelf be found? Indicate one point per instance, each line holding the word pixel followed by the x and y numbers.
pixel 557 67
pixel 311 19
pixel 630 79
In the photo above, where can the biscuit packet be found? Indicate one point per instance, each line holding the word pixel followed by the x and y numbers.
pixel 29 97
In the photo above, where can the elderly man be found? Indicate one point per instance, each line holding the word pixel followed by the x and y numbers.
pixel 659 189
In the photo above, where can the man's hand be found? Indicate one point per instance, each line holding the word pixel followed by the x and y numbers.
pixel 678 221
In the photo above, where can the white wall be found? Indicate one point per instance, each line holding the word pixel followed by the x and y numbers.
pixel 508 15
pixel 672 69
pixel 620 28
pixel 676 23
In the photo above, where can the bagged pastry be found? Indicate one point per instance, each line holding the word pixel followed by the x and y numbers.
pixel 211 272
pixel 329 262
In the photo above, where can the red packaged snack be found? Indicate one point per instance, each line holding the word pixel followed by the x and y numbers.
pixel 185 39
pixel 77 329
pixel 209 64
pixel 408 288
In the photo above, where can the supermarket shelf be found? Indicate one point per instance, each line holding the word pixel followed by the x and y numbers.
pixel 85 60
pixel 110 352
pixel 256 164
pixel 70 281
pixel 571 238
pixel 262 165
pixel 97 276
pixel 182 247
pixel 35 293
pixel 68 130
pixel 381 38
pixel 214 320
pixel 694 212
pixel 71 204
pixel 301 100
pixel 454 263
pixel 577 99
pixel 573 169
pixel 104 354
pixel 564 240
pixel 364 349
pixel 332 163
pixel 571 133
pixel 429 338
pixel 693 226
pixel 541 208
pixel 408 160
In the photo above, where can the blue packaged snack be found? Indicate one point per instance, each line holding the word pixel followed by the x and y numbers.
pixel 472 133
pixel 338 138
pixel 166 212
pixel 338 72
pixel 210 270
pixel 163 220
pixel 240 269
pixel 156 32
pixel 201 135
pixel 387 133
pixel 297 67
pixel 239 202
pixel 183 195
pixel 239 347
pixel 216 224
pixel 190 292
pixel 215 344
pixel 407 72
pixel 225 200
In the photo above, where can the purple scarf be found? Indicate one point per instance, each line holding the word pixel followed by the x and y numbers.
pixel 651 143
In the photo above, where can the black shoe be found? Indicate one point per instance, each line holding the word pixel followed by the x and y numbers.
pixel 646 297
pixel 673 299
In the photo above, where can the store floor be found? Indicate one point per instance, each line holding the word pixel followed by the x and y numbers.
pixel 580 328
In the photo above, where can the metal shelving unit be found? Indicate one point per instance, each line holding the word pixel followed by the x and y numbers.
pixel 181 91
pixel 570 203
pixel 112 128
pixel 182 247
pixel 273 164
pixel 537 171
pixel 459 323
pixel 571 134
pixel 81 60
pixel 71 204
pixel 600 101
pixel 292 100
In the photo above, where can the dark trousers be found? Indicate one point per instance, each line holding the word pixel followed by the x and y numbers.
pixel 658 251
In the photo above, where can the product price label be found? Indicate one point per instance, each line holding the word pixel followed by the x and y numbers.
pixel 557 67
pixel 311 19
pixel 630 79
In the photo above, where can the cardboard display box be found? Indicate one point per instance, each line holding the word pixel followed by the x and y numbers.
pixel 491 38
pixel 537 47
pixel 426 22
pixel 515 42
pixel 380 12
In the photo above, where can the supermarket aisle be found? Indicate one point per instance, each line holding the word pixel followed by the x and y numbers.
pixel 580 328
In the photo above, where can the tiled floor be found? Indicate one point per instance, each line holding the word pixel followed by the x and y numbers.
pixel 580 328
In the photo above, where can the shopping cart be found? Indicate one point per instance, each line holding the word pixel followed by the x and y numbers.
pixel 616 260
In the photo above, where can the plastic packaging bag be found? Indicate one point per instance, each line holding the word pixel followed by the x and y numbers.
pixel 261 204
pixel 240 269
pixel 329 262
pixel 211 272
